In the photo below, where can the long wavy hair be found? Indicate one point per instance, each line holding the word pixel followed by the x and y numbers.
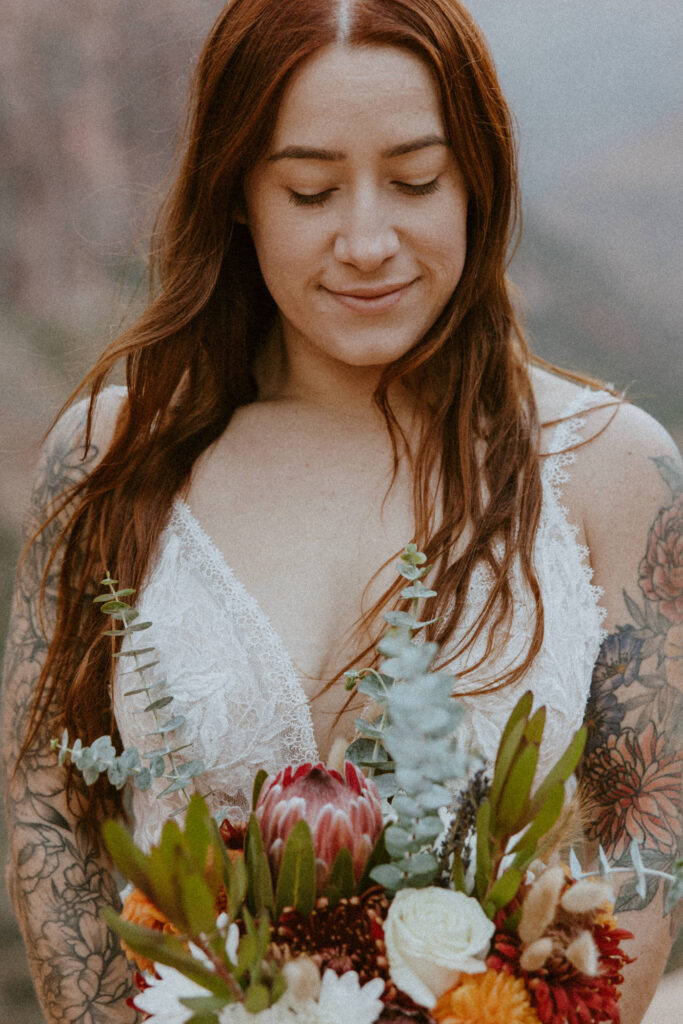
pixel 189 358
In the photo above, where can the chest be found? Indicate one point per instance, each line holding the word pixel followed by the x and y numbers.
pixel 307 521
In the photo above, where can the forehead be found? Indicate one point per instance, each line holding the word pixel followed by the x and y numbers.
pixel 361 94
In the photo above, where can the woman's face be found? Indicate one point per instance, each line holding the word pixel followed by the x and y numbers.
pixel 358 209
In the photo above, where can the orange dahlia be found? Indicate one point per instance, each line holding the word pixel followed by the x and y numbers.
pixel 493 997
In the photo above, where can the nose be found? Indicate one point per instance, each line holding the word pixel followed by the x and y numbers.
pixel 367 237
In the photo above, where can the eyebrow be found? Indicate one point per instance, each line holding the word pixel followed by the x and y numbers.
pixel 331 155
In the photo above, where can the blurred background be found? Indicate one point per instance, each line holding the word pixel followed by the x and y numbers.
pixel 92 96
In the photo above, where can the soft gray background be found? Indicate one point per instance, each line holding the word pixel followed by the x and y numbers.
pixel 91 96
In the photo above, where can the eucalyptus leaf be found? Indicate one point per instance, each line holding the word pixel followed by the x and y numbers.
pixel 156 705
pixel 368 729
pixel 134 654
pixel 387 875
pixel 402 619
pixel 387 785
pixel 170 726
pixel 417 591
pixel 142 780
pixel 398 841
pixel 375 688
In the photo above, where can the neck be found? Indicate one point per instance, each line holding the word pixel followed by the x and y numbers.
pixel 297 372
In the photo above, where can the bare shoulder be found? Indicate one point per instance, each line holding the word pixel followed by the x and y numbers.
pixel 64 458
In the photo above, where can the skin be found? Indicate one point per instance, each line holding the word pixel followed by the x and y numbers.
pixel 56 883
pixel 299 480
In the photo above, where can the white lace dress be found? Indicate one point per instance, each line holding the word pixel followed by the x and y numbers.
pixel 243 702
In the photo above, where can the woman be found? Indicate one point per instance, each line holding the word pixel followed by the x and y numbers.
pixel 330 366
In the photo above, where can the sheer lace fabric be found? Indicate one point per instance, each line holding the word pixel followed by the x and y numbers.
pixel 243 703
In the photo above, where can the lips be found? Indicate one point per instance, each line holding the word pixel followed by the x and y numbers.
pixel 371 299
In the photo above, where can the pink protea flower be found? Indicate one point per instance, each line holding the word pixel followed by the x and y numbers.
pixel 341 812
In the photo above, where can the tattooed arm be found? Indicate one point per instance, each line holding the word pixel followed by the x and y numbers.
pixel 631 771
pixel 57 885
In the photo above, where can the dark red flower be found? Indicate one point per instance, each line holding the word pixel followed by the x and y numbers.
pixel 661 570
pixel 634 785
pixel 560 993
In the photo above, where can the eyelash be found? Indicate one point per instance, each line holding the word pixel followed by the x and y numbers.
pixel 320 198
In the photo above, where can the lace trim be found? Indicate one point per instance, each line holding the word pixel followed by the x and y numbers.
pixel 247 613
pixel 554 474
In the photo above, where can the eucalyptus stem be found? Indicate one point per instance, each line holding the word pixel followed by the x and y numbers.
pixel 141 672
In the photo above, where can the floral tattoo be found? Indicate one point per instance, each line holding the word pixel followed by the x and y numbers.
pixel 632 767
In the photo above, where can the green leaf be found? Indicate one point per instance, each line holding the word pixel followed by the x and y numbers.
pixel 341 882
pixel 399 842
pixel 366 728
pixel 361 751
pixel 133 654
pixel 484 865
pixel 110 606
pixel 156 705
pixel 296 880
pixel 116 596
pixel 387 875
pixel 375 688
pixel 260 883
pixel 131 862
pixel 560 771
pixel 198 833
pixel 204 1005
pixel 166 949
pixel 417 591
pixel 261 777
pixel 507 751
pixel 540 825
pixel 257 998
pixel 458 873
pixel 515 796
pixel 505 888
pixel 198 904
pixel 535 726
pixel 378 856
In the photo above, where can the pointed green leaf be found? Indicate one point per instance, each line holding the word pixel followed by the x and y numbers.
pixel 165 949
pixel 198 833
pixel 257 998
pixel 131 862
pixel 203 1005
pixel 198 904
pixel 541 824
pixel 341 882
pixel 505 888
pixel 260 882
pixel 535 726
pixel 377 857
pixel 483 830
pixel 458 873
pixel 507 751
pixel 296 880
pixel 261 777
pixel 560 772
pixel 515 796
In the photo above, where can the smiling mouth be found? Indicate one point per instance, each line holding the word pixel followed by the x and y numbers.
pixel 377 299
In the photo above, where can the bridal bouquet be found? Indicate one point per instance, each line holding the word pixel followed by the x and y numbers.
pixel 410 887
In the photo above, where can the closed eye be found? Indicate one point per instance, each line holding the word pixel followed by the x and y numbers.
pixel 306 199
pixel 418 190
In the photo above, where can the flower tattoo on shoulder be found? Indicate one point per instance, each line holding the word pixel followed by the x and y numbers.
pixel 631 773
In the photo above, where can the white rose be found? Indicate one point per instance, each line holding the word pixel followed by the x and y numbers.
pixel 431 936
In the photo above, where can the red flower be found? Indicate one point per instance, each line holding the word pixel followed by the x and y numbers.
pixel 635 788
pixel 560 993
pixel 341 811
pixel 661 570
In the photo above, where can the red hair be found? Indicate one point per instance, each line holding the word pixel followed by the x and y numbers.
pixel 189 357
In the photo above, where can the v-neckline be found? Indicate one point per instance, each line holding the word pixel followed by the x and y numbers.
pixel 218 561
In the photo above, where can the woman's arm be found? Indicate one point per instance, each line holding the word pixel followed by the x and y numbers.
pixel 631 771
pixel 57 884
